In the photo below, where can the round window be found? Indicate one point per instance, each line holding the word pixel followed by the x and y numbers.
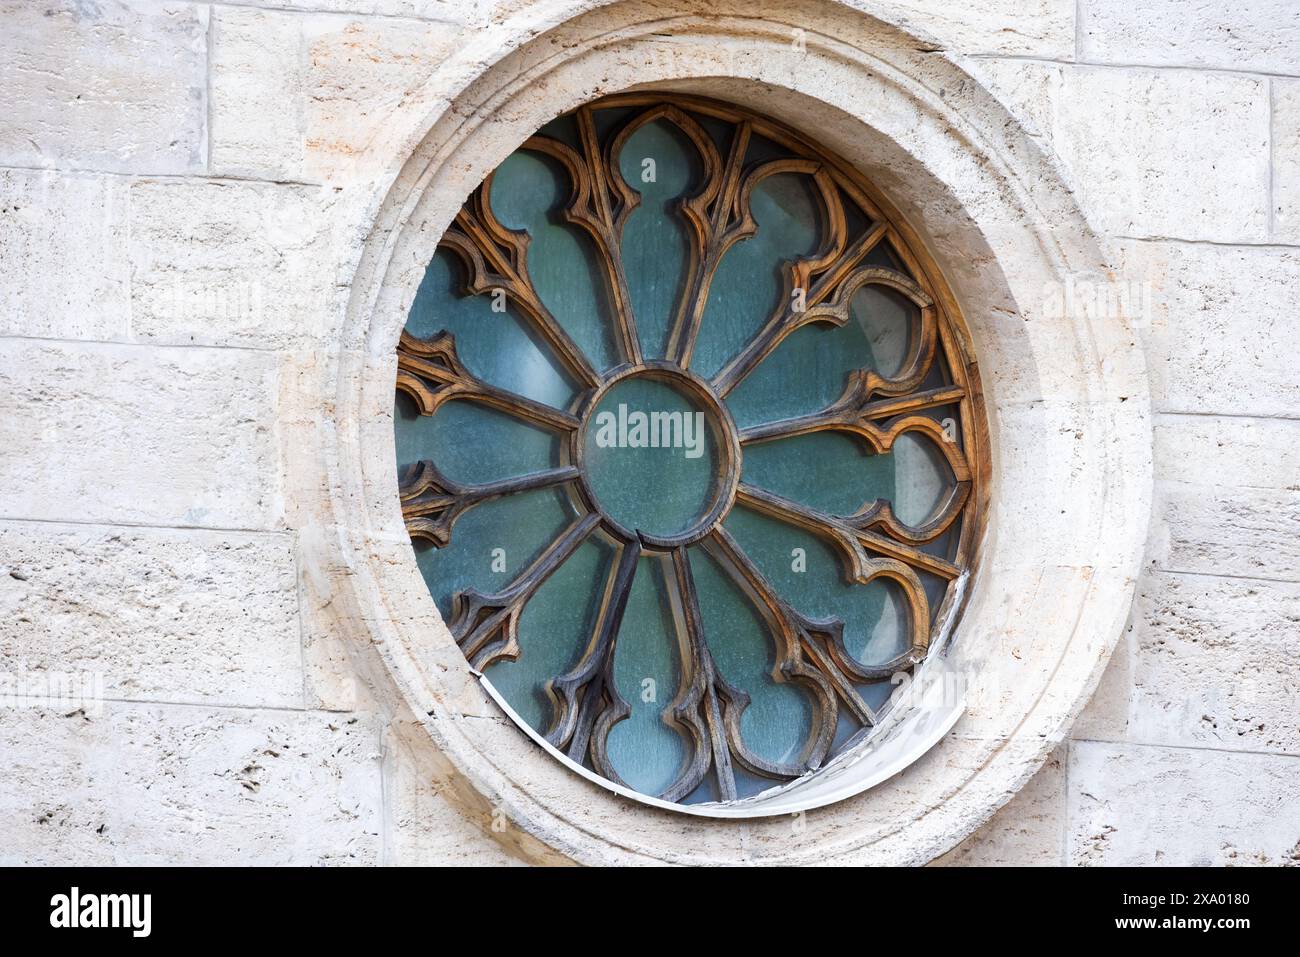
pixel 685 439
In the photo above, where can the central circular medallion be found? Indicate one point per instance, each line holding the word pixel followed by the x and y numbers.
pixel 659 455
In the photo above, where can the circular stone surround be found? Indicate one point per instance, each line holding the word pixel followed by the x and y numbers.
pixel 1067 399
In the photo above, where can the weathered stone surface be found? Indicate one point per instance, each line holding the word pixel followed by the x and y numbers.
pixel 257 85
pixel 1227 496
pixel 63 265
pixel 1286 160
pixel 152 785
pixel 318 87
pixel 1217 663
pixel 230 263
pixel 427 825
pixel 116 433
pixel 106 85
pixel 1220 336
pixel 1043 28
pixel 1181 807
pixel 160 614
pixel 454 10
pixel 1179 154
pixel 1029 831
pixel 1258 35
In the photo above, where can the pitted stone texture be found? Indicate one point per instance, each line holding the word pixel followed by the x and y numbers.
pixel 1220 332
pixel 115 433
pixel 104 85
pixel 454 10
pixel 160 614
pixel 1227 496
pixel 1177 154
pixel 1217 663
pixel 63 264
pixel 1257 35
pixel 1136 806
pixel 231 263
pixel 427 824
pixel 322 86
pixel 1029 831
pixel 154 785
pixel 1041 28
pixel 1286 160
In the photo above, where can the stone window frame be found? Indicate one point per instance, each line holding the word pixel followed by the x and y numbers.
pixel 1067 400
pixel 874 409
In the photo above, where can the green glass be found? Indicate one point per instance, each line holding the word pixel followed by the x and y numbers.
pixel 645 749
pixel 748 285
pixel 651 453
pixel 529 193
pixel 661 163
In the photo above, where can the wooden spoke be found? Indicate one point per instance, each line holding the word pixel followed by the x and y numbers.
pixel 589 690
pixel 853 543
pixel 852 408
pixel 431 502
pixel 880 513
pixel 732 220
pixel 430 372
pixel 486 626
pixel 697 708
pixel 801 655
pixel 497 258
pixel 712 216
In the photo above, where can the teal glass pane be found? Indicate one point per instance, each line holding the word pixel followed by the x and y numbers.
pixel 650 455
pixel 809 573
pixel 492 543
pixel 778 720
pixel 472 443
pixel 662 164
pixel 830 471
pixel 529 192
pixel 809 370
pixel 497 347
pixel 924 480
pixel 643 748
pixel 553 631
pixel 748 286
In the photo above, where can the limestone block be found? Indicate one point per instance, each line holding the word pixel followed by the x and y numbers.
pixel 120 433
pixel 1257 35
pixel 1286 160
pixel 156 785
pixel 159 614
pixel 1042 28
pixel 1227 496
pixel 231 263
pixel 1152 153
pixel 63 266
pixel 257 86
pixel 299 96
pixel 1028 831
pixel 104 85
pixel 427 826
pixel 1220 336
pixel 1217 663
pixel 1139 806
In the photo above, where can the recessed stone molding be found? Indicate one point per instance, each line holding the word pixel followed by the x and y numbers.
pixel 1066 395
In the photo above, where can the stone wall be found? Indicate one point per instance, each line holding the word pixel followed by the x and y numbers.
pixel 177 216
